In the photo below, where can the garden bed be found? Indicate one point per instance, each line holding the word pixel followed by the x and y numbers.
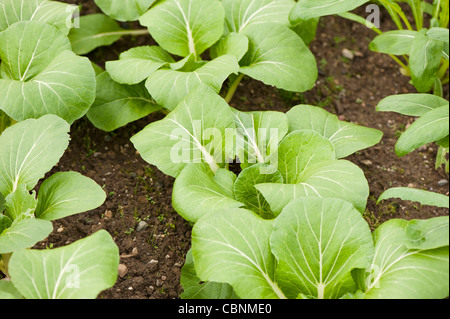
pixel 153 239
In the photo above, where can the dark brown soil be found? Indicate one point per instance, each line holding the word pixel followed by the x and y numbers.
pixel 138 191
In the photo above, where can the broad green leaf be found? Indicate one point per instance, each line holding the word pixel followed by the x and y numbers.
pixel 397 42
pixel 197 191
pixel 299 150
pixel 234 44
pixel 424 61
pixel 23 234
pixel 5 222
pixel 40 75
pixel 20 204
pixel 307 30
pixel 30 149
pixel 136 64
pixel 317 243
pixel 258 135
pixel 246 193
pixel 124 10
pixel 8 291
pixel 428 234
pixel 119 104
pixel 193 288
pixel 185 27
pixel 397 272
pixel 67 193
pixel 330 179
pixel 242 13
pixel 78 271
pixel 346 137
pixel 431 127
pixel 416 195
pixel 194 132
pixel 278 56
pixel 441 34
pixel 55 13
pixel 307 9
pixel 232 246
pixel 168 87
pixel 95 30
pixel 415 104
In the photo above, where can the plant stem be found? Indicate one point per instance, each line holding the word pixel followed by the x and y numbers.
pixel 395 8
pixel 125 32
pixel 233 88
pixel 443 69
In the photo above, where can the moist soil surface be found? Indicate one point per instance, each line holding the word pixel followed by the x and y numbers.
pixel 349 86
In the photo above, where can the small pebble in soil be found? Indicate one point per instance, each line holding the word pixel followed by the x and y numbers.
pixel 123 270
pixel 153 266
pixel 60 229
pixel 348 54
pixel 443 182
pixel 141 226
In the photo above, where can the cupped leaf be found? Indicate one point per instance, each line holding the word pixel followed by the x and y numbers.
pixel 197 191
pixel 346 137
pixel 424 61
pixel 80 270
pixel 168 87
pixel 24 234
pixel 194 132
pixel 124 10
pixel 117 104
pixel 258 135
pixel 397 42
pixel 307 9
pixel 30 149
pixel 416 195
pixel 317 243
pixel 232 246
pixel 330 179
pixel 299 150
pixel 411 104
pixel 242 13
pixel 278 56
pixel 40 75
pixel 431 127
pixel 55 13
pixel 67 193
pixel 185 27
pixel 95 30
pixel 397 272
pixel 194 288
pixel 136 64
pixel 246 193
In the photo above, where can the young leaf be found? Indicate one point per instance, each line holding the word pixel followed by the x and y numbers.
pixel 397 42
pixel 307 9
pixel 194 132
pixel 401 273
pixel 330 179
pixel 424 61
pixel 441 34
pixel 20 204
pixel 54 13
pixel 168 87
pixel 246 193
pixel 193 288
pixel 346 137
pixel 80 270
pixel 119 104
pixel 232 246
pixel 67 193
pixel 242 13
pixel 411 104
pixel 95 30
pixel 40 75
pixel 24 234
pixel 185 27
pixel 277 56
pixel 234 43
pixel 197 191
pixel 317 243
pixel 416 195
pixel 431 127
pixel 124 10
pixel 136 64
pixel 36 146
